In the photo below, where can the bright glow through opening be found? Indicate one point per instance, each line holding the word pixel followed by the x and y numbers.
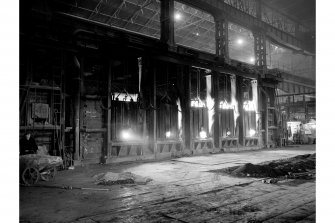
pixel 125 134
pixel 168 134
pixel 252 60
pixel 177 16
pixel 252 132
pixel 203 134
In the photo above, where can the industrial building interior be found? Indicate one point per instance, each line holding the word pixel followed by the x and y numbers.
pixel 110 83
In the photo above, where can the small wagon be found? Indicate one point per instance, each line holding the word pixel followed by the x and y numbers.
pixel 34 167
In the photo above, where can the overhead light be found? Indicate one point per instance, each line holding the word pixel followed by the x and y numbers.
pixel 252 59
pixel 239 41
pixel 197 34
pixel 168 134
pixel 177 16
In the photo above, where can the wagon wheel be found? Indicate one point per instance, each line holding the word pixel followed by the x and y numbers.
pixel 30 176
pixel 49 174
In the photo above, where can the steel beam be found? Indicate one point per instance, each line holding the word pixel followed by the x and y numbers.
pixel 221 35
pixel 260 51
pixel 219 9
pixel 167 23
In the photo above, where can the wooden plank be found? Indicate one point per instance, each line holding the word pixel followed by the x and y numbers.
pixel 309 219
pixel 297 214
pixel 230 197
pixel 281 201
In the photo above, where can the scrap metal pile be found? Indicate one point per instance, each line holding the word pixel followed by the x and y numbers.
pixel 302 166
pixel 111 178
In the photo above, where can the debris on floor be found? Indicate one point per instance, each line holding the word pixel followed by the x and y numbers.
pixel 301 166
pixel 270 181
pixel 111 178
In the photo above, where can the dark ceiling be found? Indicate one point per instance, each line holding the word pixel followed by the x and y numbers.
pixel 302 10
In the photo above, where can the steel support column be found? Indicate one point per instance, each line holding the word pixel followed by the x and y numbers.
pixel 240 122
pixel 260 51
pixel 221 37
pixel 216 133
pixel 260 42
pixel 76 116
pixel 167 22
pixel 184 86
pixel 148 97
pixel 107 151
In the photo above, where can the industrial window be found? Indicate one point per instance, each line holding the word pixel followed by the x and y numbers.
pixel 240 44
pixel 194 28
pixel 247 6
pixel 290 61
pixel 139 16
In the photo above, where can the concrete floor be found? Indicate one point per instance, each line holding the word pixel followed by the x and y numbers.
pixel 182 190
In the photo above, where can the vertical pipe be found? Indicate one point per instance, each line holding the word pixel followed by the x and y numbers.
pixel 62 95
pixel 266 124
pixel 216 133
pixel 154 133
pixel 241 135
pixel 78 79
pixel 109 112
pixel 184 86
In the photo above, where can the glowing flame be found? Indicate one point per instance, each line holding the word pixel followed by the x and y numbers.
pixel 179 118
pixel 233 98
pixel 197 103
pixel 249 105
pixel 252 132
pixel 209 102
pixel 124 97
pixel 233 104
pixel 126 134
pixel 252 105
pixel 203 134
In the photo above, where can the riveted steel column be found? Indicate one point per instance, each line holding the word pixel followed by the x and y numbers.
pixel 167 22
pixel 221 38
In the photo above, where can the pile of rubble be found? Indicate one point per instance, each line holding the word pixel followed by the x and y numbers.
pixel 301 165
pixel 111 178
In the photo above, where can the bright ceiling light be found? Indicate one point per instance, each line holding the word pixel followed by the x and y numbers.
pixel 168 134
pixel 252 59
pixel 177 16
pixel 197 34
pixel 239 41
